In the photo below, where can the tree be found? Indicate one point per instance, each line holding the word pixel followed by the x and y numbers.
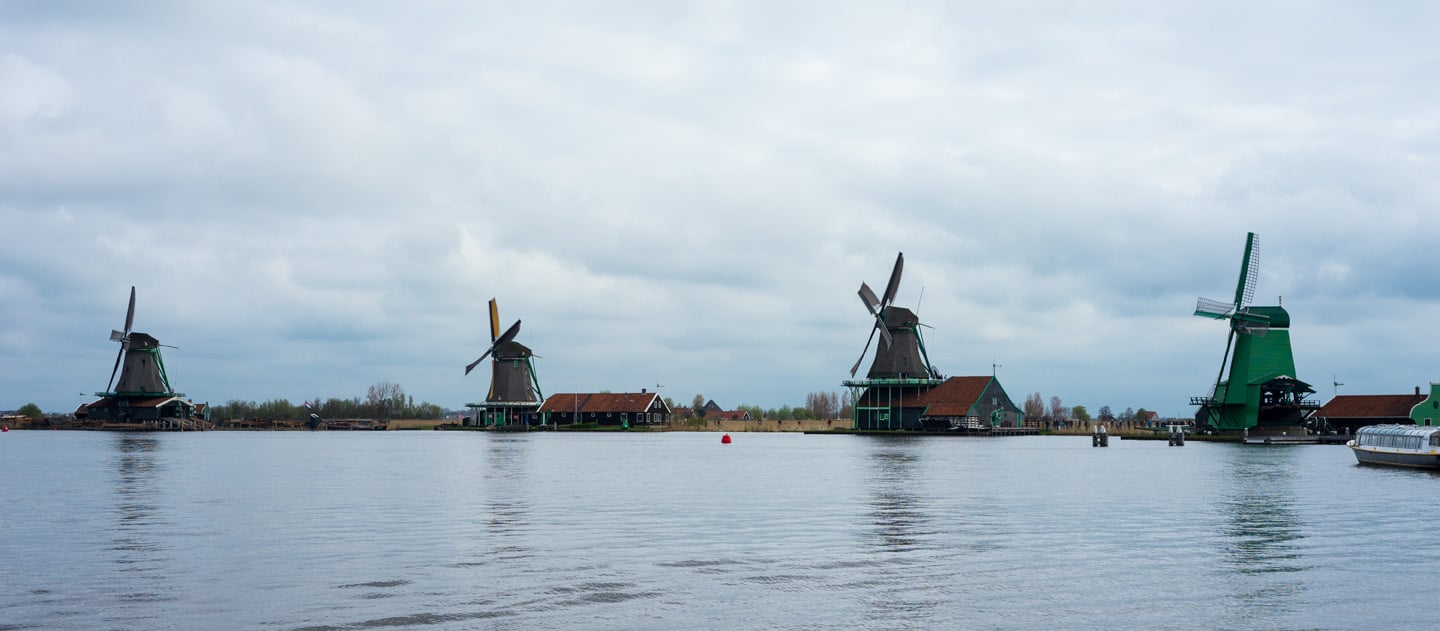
pixel 822 404
pixel 1128 414
pixel 31 411
pixel 1057 409
pixel 1105 414
pixel 697 406
pixel 1034 406
pixel 384 397
pixel 1079 413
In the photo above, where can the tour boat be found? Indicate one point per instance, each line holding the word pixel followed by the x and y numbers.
pixel 1398 446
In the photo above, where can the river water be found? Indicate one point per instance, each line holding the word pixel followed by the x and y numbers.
pixel 461 530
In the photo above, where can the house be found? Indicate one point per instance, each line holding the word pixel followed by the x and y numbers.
pixel 624 409
pixel 710 407
pixel 1347 412
pixel 1427 411
pixel 728 415
pixel 968 402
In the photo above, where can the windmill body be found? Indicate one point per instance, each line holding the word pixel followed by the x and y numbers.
pixel 1256 389
pixel 898 355
pixel 143 398
pixel 142 370
pixel 514 395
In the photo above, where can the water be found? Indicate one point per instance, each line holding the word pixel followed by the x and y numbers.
pixel 451 530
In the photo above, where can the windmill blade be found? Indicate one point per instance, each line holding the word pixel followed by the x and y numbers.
pixel 894 284
pixel 116 368
pixel 1249 271
pixel 1214 309
pixel 867 296
pixel 508 335
pixel 471 366
pixel 116 336
pixel 494 321
pixel 130 312
pixel 864 352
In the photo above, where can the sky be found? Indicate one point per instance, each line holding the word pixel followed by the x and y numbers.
pixel 313 197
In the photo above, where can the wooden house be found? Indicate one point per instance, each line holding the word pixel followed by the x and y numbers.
pixel 1427 411
pixel 1348 412
pixel 957 402
pixel 625 409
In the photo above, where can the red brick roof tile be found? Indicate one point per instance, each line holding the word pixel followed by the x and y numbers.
pixel 1369 406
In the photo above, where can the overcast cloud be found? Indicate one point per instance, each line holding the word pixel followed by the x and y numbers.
pixel 313 197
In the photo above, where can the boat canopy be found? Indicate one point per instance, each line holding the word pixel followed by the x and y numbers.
pixel 1397 430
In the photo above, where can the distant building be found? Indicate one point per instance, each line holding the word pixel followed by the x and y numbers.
pixel 728 415
pixel 1347 412
pixel 626 409
pixel 711 406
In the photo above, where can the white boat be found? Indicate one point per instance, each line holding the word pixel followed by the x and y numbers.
pixel 1397 446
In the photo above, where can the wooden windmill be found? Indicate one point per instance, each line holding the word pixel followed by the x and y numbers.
pixel 143 394
pixel 901 353
pixel 1260 389
pixel 901 369
pixel 514 390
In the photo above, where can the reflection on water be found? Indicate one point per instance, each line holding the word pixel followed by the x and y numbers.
pixel 895 510
pixel 506 511
pixel 907 578
pixel 140 551
pixel 411 530
pixel 1262 530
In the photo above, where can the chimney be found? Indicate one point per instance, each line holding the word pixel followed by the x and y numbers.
pixel 1417 390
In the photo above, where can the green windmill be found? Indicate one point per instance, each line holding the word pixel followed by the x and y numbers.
pixel 1260 391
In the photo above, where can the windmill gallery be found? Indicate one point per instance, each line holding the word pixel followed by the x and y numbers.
pixel 1256 391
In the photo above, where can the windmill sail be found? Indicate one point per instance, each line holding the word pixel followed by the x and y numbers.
pixel 900 354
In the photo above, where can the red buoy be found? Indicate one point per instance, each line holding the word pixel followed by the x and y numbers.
pixel 5 428
pixel 725 440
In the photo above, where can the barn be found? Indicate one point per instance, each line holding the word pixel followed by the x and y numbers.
pixel 972 403
pixel 623 409
pixel 1347 412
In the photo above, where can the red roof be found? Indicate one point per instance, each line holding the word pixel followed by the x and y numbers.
pixel 960 391
pixel 955 391
pixel 727 415
pixel 1370 406
pixel 948 409
pixel 600 402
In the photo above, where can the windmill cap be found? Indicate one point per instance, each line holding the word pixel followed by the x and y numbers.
pixel 1278 317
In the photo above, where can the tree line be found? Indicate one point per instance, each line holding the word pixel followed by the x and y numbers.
pixel 817 406
pixel 1036 409
pixel 382 400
